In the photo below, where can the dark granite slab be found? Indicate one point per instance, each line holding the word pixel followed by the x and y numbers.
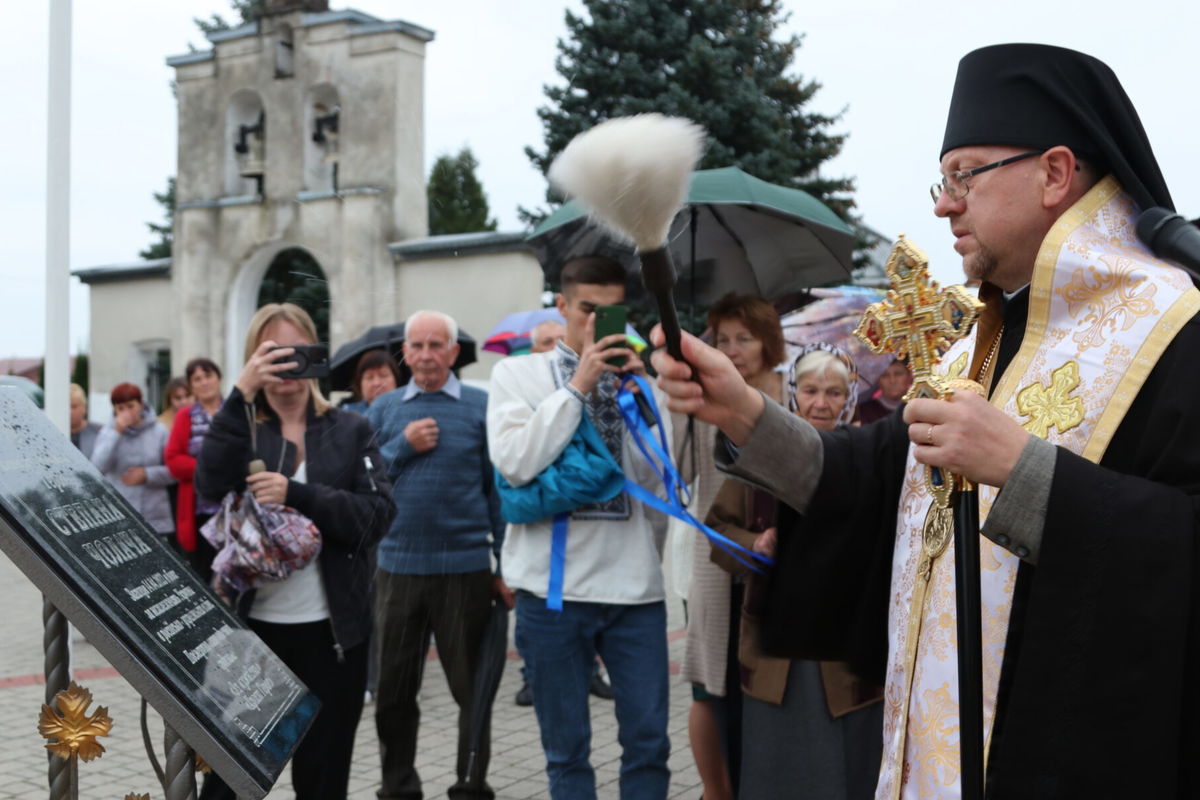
pixel 215 682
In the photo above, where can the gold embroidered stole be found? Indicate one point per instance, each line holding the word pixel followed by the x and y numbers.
pixel 1101 311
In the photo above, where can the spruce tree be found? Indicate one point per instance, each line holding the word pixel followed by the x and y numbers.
pixel 165 231
pixel 79 373
pixel 457 203
pixel 717 62
pixel 247 11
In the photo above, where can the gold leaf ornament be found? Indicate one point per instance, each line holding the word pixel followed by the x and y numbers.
pixel 70 728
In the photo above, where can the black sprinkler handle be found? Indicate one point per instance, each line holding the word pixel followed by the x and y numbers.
pixel 658 276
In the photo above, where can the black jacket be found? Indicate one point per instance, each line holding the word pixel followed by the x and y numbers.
pixel 351 506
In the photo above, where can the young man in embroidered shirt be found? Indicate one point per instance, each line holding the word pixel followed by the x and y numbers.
pixel 613 592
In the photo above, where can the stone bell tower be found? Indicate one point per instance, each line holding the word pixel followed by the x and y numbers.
pixel 300 136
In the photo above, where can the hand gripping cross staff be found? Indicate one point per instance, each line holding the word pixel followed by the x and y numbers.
pixel 918 321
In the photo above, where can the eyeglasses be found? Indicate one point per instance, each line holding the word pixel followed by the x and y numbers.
pixel 955 184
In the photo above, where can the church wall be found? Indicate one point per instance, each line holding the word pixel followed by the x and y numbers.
pixel 477 290
pixel 193 325
pixel 129 319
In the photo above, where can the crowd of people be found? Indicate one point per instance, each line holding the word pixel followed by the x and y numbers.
pixel 401 481
pixel 440 504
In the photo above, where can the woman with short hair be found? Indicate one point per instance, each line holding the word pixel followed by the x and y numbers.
pixel 183 447
pixel 129 451
pixel 745 328
pixel 375 374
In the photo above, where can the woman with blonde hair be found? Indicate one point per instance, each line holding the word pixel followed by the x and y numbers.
pixel 83 430
pixel 177 395
pixel 324 463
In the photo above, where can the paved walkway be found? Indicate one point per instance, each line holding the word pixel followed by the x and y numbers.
pixel 517 769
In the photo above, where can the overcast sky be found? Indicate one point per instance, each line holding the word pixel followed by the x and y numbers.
pixel 889 64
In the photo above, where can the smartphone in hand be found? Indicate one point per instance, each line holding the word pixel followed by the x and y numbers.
pixel 312 361
pixel 610 320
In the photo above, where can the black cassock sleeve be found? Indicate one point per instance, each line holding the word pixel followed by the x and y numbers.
pixel 827 598
pixel 1100 686
pixel 1098 693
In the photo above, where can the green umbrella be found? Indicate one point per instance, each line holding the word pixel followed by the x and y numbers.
pixel 735 234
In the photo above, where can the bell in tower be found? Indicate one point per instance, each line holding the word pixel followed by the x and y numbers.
pixel 251 150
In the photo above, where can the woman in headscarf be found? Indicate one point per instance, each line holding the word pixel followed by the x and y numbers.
pixel 810 729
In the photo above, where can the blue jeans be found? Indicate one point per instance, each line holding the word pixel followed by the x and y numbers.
pixel 559 649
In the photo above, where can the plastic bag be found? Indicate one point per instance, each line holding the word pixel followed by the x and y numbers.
pixel 258 543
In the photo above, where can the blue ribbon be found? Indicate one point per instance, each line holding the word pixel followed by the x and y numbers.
pixel 558 561
pixel 657 454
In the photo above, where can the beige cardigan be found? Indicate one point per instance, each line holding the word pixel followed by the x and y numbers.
pixel 708 598
pixel 707 642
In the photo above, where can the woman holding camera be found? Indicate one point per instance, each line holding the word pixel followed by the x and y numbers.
pixel 323 463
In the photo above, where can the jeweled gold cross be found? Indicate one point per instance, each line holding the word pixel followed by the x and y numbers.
pixel 919 321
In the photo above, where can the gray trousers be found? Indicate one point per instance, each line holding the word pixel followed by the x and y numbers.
pixel 409 609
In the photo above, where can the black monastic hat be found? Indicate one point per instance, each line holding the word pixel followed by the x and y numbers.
pixel 1038 96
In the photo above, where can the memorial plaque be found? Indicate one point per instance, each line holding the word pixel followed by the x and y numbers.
pixel 213 680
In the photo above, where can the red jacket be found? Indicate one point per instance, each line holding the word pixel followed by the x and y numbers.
pixel 183 467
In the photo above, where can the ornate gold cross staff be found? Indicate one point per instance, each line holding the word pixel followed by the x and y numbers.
pixel 919 321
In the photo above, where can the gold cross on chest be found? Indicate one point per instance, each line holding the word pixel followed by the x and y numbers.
pixel 917 321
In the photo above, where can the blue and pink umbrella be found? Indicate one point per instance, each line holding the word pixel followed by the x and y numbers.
pixel 513 335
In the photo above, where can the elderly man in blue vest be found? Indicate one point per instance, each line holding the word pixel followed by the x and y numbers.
pixel 435 572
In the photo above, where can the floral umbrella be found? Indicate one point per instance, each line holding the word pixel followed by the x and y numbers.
pixel 832 318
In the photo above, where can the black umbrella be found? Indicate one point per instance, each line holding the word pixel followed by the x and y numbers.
pixel 493 652
pixel 386 337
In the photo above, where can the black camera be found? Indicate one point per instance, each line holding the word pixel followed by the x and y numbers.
pixel 312 361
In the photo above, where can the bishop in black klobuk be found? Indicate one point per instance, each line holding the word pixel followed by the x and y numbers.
pixel 1086 452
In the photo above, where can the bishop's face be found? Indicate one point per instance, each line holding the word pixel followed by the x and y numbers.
pixel 997 223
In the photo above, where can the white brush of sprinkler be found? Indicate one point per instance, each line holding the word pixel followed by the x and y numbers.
pixel 632 174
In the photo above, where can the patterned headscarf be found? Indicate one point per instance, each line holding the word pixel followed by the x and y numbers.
pixel 847 414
